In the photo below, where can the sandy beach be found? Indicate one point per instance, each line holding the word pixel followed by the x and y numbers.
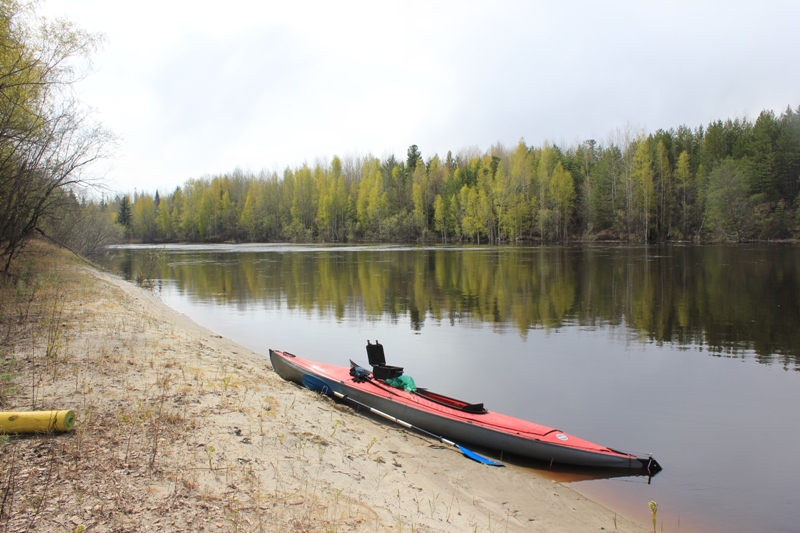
pixel 179 429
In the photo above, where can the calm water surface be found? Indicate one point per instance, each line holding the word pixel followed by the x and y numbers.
pixel 691 353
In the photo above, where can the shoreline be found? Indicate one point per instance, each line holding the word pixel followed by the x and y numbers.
pixel 180 429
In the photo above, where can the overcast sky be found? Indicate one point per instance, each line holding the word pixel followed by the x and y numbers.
pixel 201 88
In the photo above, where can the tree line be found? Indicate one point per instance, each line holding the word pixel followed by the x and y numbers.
pixel 733 180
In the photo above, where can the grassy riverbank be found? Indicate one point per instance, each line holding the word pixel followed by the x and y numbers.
pixel 179 429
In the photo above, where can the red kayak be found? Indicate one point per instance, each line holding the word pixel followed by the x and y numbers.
pixel 456 420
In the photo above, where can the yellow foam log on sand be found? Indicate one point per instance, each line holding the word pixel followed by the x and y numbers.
pixel 37 421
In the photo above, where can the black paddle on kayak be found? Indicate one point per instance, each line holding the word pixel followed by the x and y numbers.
pixel 319 385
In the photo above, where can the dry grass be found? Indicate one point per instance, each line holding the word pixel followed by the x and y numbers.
pixel 148 452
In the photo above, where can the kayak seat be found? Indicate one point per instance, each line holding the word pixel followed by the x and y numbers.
pixel 377 359
pixel 441 399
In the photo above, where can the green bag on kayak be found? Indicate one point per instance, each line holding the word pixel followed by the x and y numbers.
pixel 402 382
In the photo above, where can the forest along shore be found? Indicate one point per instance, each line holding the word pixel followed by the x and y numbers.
pixel 179 429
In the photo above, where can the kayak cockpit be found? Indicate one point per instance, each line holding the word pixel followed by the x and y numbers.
pixel 383 372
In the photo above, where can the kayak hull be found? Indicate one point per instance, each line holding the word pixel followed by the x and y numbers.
pixel 487 429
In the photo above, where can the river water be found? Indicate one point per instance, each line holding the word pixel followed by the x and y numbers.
pixel 690 353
